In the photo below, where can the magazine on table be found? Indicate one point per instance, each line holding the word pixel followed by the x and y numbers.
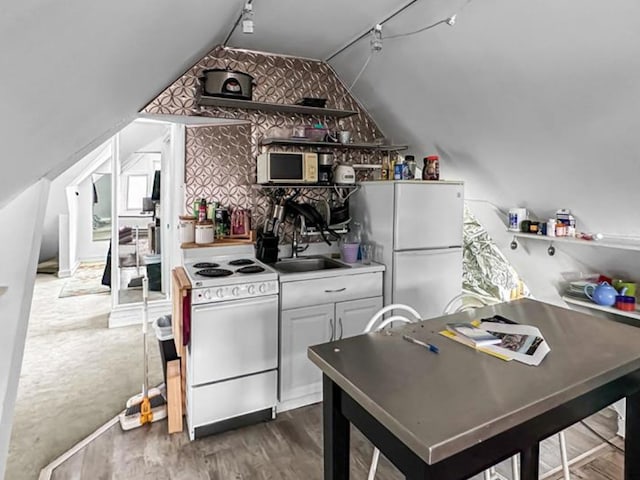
pixel 475 336
pixel 523 343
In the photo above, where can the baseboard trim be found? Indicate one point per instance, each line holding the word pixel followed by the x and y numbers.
pixel 299 402
pixel 67 273
pixel 47 472
pixel 127 315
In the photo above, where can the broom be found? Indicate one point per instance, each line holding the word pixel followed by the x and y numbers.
pixel 150 405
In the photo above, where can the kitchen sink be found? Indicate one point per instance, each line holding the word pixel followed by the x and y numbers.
pixel 307 264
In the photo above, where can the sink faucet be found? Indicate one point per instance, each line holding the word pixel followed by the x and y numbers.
pixel 298 222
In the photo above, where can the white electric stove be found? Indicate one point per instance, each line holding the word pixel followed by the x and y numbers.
pixel 232 356
pixel 230 277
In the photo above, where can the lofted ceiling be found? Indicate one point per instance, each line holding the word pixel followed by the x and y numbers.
pixel 519 98
pixel 531 103
pixel 75 72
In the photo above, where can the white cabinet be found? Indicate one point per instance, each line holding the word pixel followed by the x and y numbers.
pixel 301 328
pixel 305 325
pixel 353 316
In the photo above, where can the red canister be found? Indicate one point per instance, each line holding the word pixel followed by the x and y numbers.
pixel 431 170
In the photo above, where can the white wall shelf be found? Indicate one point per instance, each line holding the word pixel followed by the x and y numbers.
pixel 587 304
pixel 621 244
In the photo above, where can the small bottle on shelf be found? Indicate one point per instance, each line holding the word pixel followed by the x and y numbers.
pixel 202 210
pixel 384 174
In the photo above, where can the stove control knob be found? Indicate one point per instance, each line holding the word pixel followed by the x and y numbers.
pixel 207 294
pixel 262 288
pixel 235 291
pixel 219 293
pixel 251 289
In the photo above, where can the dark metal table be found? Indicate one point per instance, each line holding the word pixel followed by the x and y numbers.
pixel 452 415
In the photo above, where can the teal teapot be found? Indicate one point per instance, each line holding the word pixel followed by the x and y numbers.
pixel 602 293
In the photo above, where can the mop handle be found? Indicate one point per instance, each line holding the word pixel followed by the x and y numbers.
pixel 145 320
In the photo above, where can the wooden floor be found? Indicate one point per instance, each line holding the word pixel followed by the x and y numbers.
pixel 289 448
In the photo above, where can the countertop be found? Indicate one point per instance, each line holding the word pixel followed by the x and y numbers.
pixel 441 404
pixel 354 269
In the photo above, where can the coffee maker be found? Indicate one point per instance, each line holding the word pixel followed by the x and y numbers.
pixel 325 168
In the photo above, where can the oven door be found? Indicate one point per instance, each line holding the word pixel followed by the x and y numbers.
pixel 232 339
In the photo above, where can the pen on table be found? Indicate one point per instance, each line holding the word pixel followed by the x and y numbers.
pixel 428 346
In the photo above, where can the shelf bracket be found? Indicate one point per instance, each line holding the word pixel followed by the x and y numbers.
pixel 3 290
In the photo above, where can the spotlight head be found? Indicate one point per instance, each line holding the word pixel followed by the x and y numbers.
pixel 451 20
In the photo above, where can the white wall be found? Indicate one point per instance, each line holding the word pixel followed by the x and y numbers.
pixel 88 249
pixel 530 103
pixel 19 258
pixel 57 202
pixel 546 275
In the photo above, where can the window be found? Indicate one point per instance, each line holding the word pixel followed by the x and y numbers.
pixel 136 191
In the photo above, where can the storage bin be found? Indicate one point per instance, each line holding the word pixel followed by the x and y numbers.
pixel 153 264
pixel 166 344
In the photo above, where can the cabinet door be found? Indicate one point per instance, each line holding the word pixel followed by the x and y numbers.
pixel 352 316
pixel 301 328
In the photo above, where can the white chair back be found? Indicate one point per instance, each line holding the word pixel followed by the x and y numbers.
pixel 395 306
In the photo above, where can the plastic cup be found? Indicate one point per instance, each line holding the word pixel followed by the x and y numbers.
pixel 350 252
pixel 366 251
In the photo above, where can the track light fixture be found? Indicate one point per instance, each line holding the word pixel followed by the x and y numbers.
pixel 247 18
pixel 376 38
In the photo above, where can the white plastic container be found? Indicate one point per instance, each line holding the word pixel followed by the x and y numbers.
pixel 187 227
pixel 516 216
pixel 551 227
pixel 204 232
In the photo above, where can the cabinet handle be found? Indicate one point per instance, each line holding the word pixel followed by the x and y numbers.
pixel 336 291
pixel 340 322
pixel 332 329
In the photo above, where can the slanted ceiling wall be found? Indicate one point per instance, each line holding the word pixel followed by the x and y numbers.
pixel 532 104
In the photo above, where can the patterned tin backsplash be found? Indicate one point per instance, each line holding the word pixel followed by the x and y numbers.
pixel 220 160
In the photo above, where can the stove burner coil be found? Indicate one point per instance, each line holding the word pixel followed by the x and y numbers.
pixel 251 269
pixel 214 272
pixel 205 265
pixel 241 261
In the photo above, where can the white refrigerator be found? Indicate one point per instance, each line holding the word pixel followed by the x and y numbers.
pixel 416 230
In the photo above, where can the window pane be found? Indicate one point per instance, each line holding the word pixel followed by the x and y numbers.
pixel 136 190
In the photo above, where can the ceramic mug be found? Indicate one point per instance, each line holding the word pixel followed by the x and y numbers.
pixel 631 287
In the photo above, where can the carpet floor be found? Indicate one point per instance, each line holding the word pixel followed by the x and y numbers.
pixel 76 375
pixel 86 280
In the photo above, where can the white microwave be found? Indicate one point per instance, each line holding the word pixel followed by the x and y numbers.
pixel 287 167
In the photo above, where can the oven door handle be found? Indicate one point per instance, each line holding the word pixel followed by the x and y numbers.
pixel 202 307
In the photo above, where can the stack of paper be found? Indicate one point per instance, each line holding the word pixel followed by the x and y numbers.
pixel 472 335
pixel 523 343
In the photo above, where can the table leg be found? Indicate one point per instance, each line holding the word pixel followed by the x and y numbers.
pixel 530 462
pixel 336 433
pixel 632 438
